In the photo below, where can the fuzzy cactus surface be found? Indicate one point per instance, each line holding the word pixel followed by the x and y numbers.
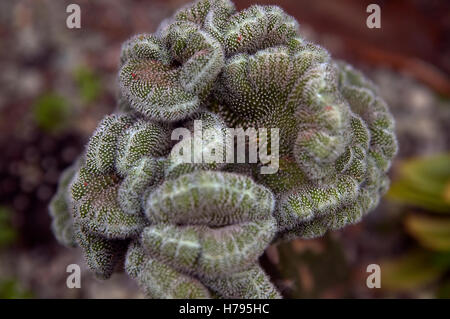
pixel 197 230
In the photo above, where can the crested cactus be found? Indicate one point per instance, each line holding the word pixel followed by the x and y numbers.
pixel 196 229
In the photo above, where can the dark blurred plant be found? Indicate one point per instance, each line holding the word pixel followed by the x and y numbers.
pixel 87 83
pixel 7 233
pixel 423 183
pixel 11 289
pixel 51 112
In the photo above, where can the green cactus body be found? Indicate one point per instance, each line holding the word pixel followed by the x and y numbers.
pixel 196 229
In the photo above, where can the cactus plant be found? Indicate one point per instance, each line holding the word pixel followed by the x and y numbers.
pixel 196 230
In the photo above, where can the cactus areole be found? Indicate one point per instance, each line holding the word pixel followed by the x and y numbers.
pixel 196 230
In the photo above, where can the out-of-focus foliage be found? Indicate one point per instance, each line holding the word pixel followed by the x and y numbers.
pixel 7 232
pixel 431 232
pixel 51 112
pixel 444 290
pixel 11 289
pixel 413 270
pixel 87 83
pixel 423 183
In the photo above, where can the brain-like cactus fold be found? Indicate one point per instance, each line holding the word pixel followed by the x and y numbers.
pixel 196 230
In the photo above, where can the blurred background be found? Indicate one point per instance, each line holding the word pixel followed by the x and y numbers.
pixel 57 83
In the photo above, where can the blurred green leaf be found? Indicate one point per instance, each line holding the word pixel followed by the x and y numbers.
pixel 88 84
pixel 413 270
pixel 424 182
pixel 431 232
pixel 7 233
pixel 11 289
pixel 444 290
pixel 51 112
